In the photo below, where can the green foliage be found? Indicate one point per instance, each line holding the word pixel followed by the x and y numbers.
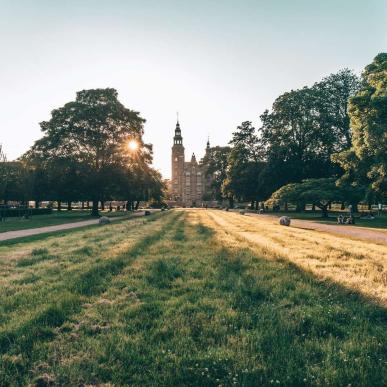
pixel 365 163
pixel 84 153
pixel 320 192
pixel 305 127
pixel 245 164
pixel 216 162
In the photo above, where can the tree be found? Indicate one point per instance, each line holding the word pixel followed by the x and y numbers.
pixel 333 94
pixel 320 192
pixel 3 172
pixel 92 132
pixel 365 163
pixel 304 128
pixel 216 161
pixel 245 164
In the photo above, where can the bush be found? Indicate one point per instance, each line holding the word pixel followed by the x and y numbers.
pixel 6 212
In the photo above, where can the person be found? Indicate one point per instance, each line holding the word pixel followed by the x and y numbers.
pixel 340 219
pixel 350 210
pixel 380 209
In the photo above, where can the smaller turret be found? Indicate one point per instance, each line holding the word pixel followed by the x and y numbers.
pixel 208 145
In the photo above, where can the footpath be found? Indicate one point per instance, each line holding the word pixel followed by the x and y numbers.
pixel 368 234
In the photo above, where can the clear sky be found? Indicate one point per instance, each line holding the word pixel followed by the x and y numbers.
pixel 216 62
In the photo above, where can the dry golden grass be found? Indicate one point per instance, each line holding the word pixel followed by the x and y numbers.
pixel 358 265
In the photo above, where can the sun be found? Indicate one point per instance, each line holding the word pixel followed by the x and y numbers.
pixel 133 145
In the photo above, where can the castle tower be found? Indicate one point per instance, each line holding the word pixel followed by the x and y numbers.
pixel 177 165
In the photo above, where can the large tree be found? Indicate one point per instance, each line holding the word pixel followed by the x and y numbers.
pixel 332 98
pixel 93 132
pixel 216 162
pixel 305 127
pixel 320 192
pixel 366 161
pixel 245 164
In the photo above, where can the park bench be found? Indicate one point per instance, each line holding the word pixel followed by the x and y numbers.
pixel 345 219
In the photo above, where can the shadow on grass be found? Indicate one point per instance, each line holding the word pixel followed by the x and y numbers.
pixel 86 284
pixel 58 234
pixel 246 321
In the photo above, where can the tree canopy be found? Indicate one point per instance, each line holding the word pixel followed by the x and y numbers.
pixel 320 192
pixel 84 151
pixel 305 127
pixel 245 164
pixel 365 163
pixel 216 162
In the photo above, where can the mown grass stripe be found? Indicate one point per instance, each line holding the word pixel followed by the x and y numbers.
pixel 88 284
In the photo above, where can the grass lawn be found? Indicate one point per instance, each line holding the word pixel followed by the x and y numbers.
pixel 175 299
pixel 378 222
pixel 12 224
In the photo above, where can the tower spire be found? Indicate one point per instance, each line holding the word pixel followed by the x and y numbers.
pixel 178 139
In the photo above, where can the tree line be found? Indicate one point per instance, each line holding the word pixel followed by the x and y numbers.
pixel 85 155
pixel 318 144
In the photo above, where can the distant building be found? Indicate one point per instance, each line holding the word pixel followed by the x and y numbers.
pixel 189 181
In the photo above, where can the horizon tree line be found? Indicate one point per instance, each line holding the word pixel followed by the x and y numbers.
pixel 84 156
pixel 334 131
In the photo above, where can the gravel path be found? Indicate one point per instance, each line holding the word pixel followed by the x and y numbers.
pixel 368 234
pixel 60 227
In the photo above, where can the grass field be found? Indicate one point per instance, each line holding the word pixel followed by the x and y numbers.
pixel 62 217
pixel 186 298
pixel 378 222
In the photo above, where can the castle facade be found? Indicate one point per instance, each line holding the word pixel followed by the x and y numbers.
pixel 189 183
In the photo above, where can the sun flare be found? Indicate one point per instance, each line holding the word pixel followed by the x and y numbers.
pixel 133 145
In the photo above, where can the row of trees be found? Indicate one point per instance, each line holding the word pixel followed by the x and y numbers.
pixel 91 150
pixel 333 134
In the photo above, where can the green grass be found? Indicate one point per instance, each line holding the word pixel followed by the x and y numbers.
pixel 160 301
pixel 62 217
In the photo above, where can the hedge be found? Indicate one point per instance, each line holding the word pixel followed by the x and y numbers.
pixel 14 212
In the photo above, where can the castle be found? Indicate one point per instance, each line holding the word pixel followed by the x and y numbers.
pixel 189 183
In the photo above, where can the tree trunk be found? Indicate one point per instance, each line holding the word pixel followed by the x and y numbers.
pixel 355 209
pixel 252 204
pixel 37 204
pixel 286 206
pixel 88 205
pixel 59 205
pixel 330 206
pixel 369 206
pixel 256 205
pixel 94 210
pixel 69 206
pixel 324 210
pixel 102 205
pixel 342 206
pixel 137 205
pixel 231 202
pixel 82 205
pixel 313 207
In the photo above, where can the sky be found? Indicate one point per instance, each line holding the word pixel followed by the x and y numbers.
pixel 217 63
